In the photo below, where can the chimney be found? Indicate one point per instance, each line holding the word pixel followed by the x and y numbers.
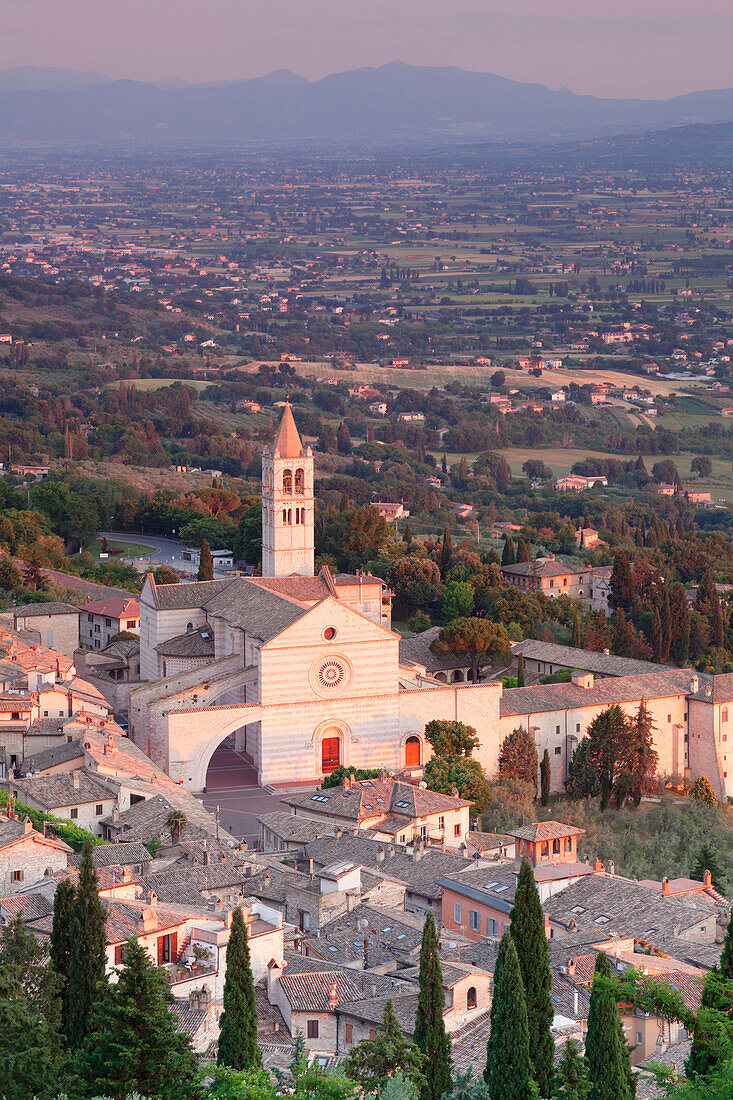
pixel 390 850
pixel 598 867
pixel 380 854
pixel 149 920
pixel 571 968
pixel 28 828
pixel 310 868
pixel 454 792
pixel 575 1003
pixel 338 832
pixel 333 997
pixel 582 679
pixel 75 780
pixel 547 926
pixel 610 867
pixel 694 684
pixel 707 878
pixel 665 886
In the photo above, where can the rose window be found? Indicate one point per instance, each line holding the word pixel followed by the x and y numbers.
pixel 331 674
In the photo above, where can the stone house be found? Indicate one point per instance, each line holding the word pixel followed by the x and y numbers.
pixel 56 624
pixel 26 855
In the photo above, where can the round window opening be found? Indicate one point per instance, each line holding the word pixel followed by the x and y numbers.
pixel 331 675
pixel 330 633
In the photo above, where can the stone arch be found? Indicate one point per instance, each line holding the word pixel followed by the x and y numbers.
pixel 413 751
pixel 287 481
pixel 456 676
pixel 192 765
pixel 442 677
pixel 300 481
pixel 331 731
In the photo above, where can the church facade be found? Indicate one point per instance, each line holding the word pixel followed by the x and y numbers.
pixel 305 671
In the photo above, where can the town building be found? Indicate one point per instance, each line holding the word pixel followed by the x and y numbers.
pixel 547 575
pixel 101 620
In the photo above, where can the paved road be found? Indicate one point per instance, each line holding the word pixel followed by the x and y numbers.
pixel 165 550
pixel 231 784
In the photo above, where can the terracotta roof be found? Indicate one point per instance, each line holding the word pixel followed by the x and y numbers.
pixel 173 597
pixel 546 830
pixel 305 589
pixel 13 830
pixel 29 906
pixel 57 790
pixel 33 610
pixel 621 689
pixel 194 643
pixel 374 798
pixel 114 607
pixel 538 569
pixel 288 444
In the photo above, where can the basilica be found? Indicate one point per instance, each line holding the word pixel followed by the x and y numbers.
pixel 305 672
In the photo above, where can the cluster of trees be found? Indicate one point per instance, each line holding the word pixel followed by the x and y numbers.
pixel 451 769
pixel 616 759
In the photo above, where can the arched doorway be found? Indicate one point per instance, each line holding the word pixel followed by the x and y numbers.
pixel 330 750
pixel 412 752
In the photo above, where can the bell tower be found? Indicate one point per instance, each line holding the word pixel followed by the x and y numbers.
pixel 288 504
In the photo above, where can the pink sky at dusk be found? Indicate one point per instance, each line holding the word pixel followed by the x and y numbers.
pixel 649 48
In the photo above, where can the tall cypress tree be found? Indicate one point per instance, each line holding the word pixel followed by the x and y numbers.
pixel 680 612
pixel 508 554
pixel 133 1045
pixel 60 944
pixel 238 1025
pixel 545 778
pixel 206 563
pixel 446 553
pixel 577 634
pixel 605 1050
pixel 522 551
pixel 520 670
pixel 572 1081
pixel 666 623
pixel 657 635
pixel 528 933
pixel 508 1072
pixel 87 969
pixel 430 1033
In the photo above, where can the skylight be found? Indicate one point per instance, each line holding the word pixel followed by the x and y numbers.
pixel 602 920
pixel 490 885
pixel 402 803
pixel 319 798
pixel 499 889
pixel 577 909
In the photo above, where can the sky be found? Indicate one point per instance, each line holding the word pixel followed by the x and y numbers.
pixel 648 48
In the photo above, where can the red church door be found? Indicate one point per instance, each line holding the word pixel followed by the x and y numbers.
pixel 412 752
pixel 330 756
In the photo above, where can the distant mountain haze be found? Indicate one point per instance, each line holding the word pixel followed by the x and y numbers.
pixel 394 104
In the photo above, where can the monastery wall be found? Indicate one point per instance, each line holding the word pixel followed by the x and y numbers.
pixel 708 752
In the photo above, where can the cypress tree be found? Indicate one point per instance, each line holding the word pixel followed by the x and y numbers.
pixel 572 1081
pixel 508 556
pixel 666 622
pixel 520 670
pixel 718 626
pixel 430 1033
pixel 545 776
pixel 206 564
pixel 605 1050
pixel 725 967
pixel 707 860
pixel 680 613
pixel 133 1045
pixel 446 552
pixel 577 636
pixel 87 970
pixel 60 944
pixel 522 551
pixel 508 1072
pixel 238 1025
pixel 528 933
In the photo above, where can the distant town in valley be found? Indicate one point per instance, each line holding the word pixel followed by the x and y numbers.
pixel 366 613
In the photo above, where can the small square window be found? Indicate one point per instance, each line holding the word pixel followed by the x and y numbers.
pixel 558 750
pixel 99 809
pixel 16 876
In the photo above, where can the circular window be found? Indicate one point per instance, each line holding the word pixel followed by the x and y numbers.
pixel 330 633
pixel 331 675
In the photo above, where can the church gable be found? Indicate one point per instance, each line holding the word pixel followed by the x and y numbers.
pixel 313 626
pixel 331 653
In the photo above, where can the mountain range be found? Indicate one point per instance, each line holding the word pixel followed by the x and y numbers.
pixel 391 105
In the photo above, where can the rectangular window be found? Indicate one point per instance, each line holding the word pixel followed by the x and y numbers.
pixel 131 624
pixel 577 727
pixel 558 750
pixel 457 912
pixel 457 830
pixel 441 823
pixel 74 813
pixel 349 1033
pixel 557 731
pixel 313 1029
pixel 16 876
pixel 99 809
pixel 491 927
pixel 669 717
pixel 474 920
pixel 119 954
pixel 372 1033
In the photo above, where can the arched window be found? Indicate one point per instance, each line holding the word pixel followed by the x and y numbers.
pixel 285 517
pixel 300 480
pixel 457 676
pixel 724 714
pixel 290 517
pixel 189 627
pixel 287 481
pixel 471 998
pixel 412 752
